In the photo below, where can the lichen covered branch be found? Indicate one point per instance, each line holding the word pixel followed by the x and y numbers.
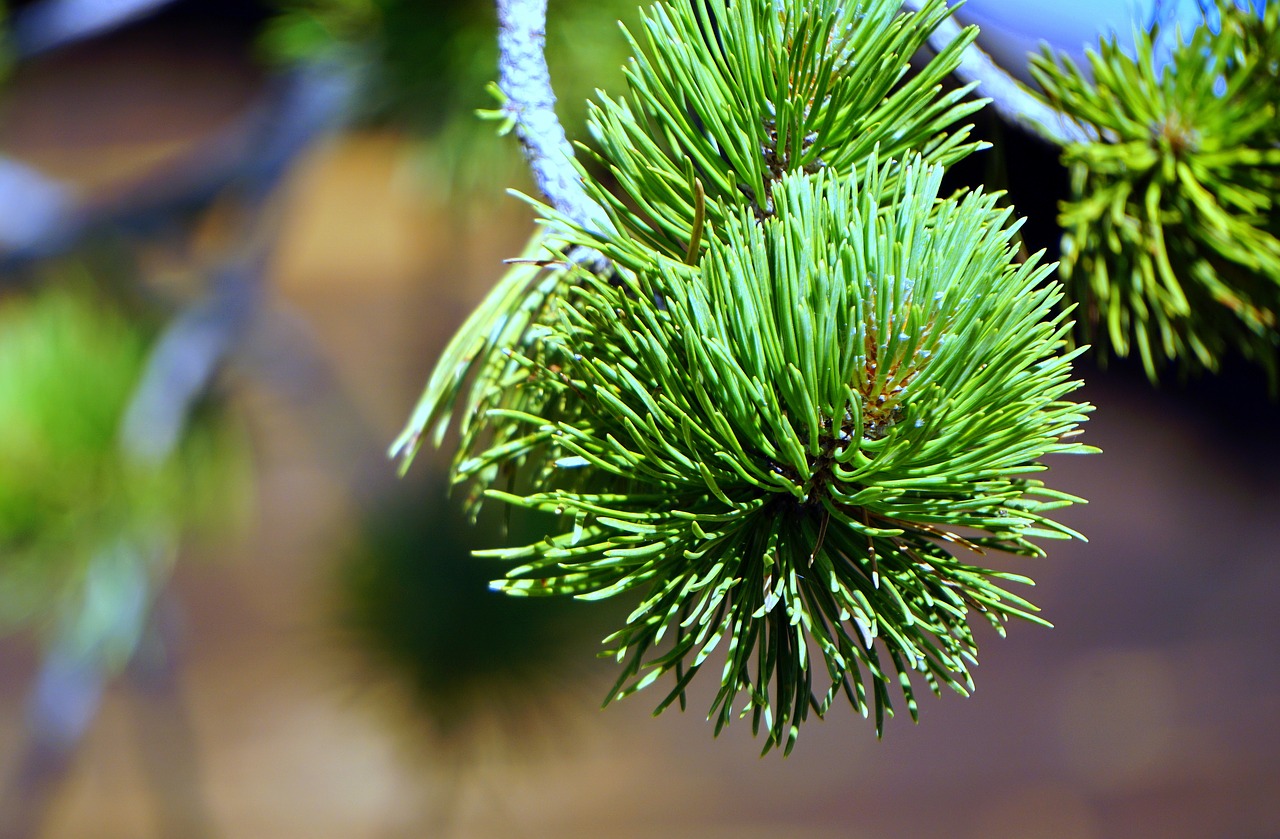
pixel 526 82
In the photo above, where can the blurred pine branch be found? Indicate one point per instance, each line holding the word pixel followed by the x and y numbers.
pixel 1172 232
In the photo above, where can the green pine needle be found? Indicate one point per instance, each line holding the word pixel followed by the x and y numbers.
pixel 1172 230
pixel 778 453
pixel 860 96
pixel 744 98
pixel 808 398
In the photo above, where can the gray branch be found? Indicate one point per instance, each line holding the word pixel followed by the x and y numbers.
pixel 186 357
pixel 1014 102
pixel 526 82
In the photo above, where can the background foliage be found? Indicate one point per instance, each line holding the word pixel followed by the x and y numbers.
pixel 1170 239
pixel 79 517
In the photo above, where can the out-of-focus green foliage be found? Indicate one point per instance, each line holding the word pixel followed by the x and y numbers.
pixel 79 518
pixel 427 64
pixel 304 29
pixel 1172 231
pixel 6 55
pixel 420 607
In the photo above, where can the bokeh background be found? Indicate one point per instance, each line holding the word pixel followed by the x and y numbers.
pixel 335 666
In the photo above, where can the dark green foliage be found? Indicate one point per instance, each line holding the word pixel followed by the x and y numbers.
pixel 1171 230
pixel 416 602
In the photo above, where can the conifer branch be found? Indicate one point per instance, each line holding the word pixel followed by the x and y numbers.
pixel 531 102
pixel 1172 229
pixel 807 373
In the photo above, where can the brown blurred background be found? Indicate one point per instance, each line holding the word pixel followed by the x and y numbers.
pixel 1150 710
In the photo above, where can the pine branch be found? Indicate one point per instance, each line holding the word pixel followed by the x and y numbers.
pixel 808 374
pixel 1172 229
pixel 526 82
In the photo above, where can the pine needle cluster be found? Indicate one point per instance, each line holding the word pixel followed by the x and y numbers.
pixel 810 393
pixel 1172 232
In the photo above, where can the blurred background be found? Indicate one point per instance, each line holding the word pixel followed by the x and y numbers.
pixel 234 236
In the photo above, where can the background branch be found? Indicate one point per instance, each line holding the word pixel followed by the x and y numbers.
pixel 1014 102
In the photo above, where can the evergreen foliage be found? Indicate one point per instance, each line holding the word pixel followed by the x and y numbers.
pixel 1172 233
pixel 805 372
pixel 740 99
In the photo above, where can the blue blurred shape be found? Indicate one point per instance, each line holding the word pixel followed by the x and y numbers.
pixel 35 208
pixel 50 24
